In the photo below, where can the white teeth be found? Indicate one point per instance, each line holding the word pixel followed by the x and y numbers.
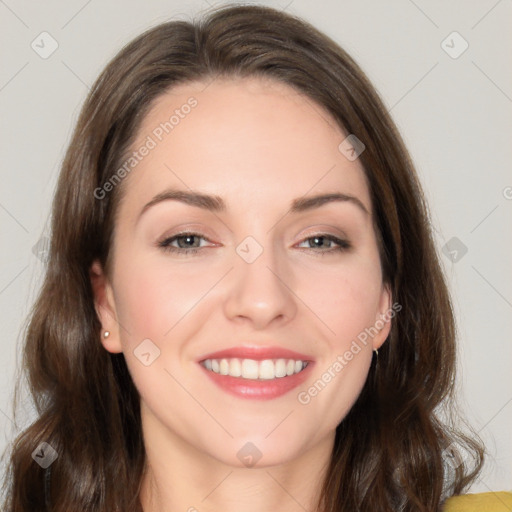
pixel 267 370
pixel 281 368
pixel 251 369
pixel 224 367
pixel 235 368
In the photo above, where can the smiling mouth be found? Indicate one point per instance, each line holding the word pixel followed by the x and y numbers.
pixel 251 369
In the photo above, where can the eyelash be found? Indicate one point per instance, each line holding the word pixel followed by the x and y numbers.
pixel 344 245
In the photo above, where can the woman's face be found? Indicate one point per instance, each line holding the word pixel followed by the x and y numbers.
pixel 265 267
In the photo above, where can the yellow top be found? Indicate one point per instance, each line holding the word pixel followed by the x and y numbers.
pixel 482 502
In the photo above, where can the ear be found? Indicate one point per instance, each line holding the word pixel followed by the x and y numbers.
pixel 105 308
pixel 384 315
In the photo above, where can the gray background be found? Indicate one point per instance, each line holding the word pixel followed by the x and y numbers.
pixel 454 113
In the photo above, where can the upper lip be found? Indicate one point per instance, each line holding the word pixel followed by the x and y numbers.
pixel 257 353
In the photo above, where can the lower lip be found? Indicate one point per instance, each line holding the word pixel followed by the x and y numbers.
pixel 259 389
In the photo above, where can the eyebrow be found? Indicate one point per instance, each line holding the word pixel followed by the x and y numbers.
pixel 216 204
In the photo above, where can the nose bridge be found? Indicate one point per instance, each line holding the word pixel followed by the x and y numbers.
pixel 260 291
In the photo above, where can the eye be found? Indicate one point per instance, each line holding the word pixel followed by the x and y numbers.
pixel 189 243
pixel 185 241
pixel 320 238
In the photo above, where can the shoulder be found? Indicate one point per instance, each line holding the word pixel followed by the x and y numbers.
pixel 482 502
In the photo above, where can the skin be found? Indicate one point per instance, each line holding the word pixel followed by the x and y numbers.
pixel 259 145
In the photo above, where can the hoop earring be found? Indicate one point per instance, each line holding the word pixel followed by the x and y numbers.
pixel 106 334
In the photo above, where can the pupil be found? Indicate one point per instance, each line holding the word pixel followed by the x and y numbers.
pixel 188 239
pixel 316 238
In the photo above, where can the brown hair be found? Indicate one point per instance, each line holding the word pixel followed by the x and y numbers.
pixel 87 405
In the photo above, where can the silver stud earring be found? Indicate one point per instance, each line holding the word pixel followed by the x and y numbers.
pixel 106 334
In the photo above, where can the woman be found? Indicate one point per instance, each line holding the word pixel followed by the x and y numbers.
pixel 242 371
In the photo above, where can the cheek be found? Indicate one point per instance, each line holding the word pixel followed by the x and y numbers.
pixel 347 301
pixel 152 296
pixel 346 298
pixel 347 304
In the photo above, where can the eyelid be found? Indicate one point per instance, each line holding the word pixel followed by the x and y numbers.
pixel 323 229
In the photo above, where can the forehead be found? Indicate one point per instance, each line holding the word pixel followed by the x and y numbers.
pixel 253 141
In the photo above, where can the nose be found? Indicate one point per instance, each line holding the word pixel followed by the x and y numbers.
pixel 261 293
